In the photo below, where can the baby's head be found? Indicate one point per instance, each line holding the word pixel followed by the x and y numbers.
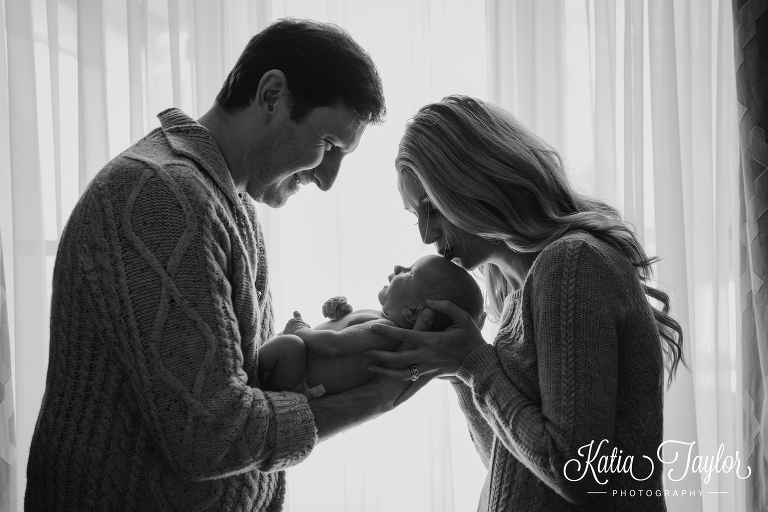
pixel 431 277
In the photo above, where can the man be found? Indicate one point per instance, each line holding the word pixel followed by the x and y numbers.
pixel 161 298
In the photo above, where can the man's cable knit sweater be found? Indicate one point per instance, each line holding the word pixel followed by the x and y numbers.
pixel 577 359
pixel 160 302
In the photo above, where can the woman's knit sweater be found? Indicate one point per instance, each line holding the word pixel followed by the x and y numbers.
pixel 160 302
pixel 577 359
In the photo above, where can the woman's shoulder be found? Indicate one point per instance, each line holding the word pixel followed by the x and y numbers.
pixel 581 272
pixel 581 247
pixel 582 256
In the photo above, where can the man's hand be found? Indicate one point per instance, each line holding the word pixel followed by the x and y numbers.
pixel 295 323
pixel 336 307
pixel 336 413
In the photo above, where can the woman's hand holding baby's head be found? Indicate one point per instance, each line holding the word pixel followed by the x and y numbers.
pixel 436 354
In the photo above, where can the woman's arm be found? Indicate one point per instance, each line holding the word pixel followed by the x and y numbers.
pixel 576 300
pixel 479 430
pixel 575 314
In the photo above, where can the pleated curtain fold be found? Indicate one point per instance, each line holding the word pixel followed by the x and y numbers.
pixel 751 54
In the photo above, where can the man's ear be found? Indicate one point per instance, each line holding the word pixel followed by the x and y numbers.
pixel 411 313
pixel 272 93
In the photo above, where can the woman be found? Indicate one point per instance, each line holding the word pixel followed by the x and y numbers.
pixel 576 373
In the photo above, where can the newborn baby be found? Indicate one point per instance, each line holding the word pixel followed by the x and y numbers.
pixel 328 359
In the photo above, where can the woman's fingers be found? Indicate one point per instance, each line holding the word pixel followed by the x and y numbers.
pixel 449 308
pixel 425 320
pixel 411 390
pixel 396 333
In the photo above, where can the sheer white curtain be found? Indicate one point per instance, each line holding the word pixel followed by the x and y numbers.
pixel 637 95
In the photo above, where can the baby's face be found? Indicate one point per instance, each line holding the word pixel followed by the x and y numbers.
pixel 405 286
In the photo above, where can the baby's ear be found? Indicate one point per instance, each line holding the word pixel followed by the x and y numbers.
pixel 411 313
pixel 483 316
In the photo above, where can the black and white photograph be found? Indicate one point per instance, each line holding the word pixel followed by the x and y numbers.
pixel 383 255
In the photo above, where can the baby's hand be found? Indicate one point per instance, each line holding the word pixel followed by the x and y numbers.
pixel 336 307
pixel 295 323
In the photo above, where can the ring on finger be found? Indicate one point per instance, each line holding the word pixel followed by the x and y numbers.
pixel 414 373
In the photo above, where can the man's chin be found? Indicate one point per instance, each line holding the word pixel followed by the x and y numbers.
pixel 277 200
pixel 273 203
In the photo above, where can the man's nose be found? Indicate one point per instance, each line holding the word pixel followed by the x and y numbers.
pixel 398 269
pixel 328 170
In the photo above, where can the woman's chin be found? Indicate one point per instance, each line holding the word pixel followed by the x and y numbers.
pixel 468 266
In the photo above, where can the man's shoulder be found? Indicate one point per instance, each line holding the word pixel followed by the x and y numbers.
pixel 151 164
pixel 155 154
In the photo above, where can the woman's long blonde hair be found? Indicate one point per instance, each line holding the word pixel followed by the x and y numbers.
pixel 491 176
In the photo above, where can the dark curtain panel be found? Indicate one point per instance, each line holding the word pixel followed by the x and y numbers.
pixel 7 420
pixel 751 47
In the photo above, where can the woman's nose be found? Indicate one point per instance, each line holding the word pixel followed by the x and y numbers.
pixel 428 229
pixel 398 269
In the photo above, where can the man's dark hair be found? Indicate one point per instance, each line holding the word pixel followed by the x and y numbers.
pixel 321 62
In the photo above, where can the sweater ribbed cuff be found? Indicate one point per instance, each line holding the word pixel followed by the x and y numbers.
pixel 464 395
pixel 295 433
pixel 480 362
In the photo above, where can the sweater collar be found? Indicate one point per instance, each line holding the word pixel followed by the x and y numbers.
pixel 189 138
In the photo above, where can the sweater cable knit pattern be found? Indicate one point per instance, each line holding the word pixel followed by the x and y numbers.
pixel 160 303
pixel 577 359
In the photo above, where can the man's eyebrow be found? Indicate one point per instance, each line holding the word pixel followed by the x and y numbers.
pixel 342 143
pixel 342 140
pixel 347 136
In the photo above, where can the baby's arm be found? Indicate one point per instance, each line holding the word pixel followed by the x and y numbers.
pixel 347 341
pixel 360 316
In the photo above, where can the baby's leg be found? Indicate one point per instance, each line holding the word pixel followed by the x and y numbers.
pixel 282 363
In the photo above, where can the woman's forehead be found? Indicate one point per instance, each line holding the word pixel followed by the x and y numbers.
pixel 411 190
